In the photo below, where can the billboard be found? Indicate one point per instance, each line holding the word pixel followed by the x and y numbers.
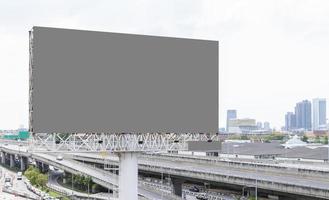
pixel 100 82
pixel 204 146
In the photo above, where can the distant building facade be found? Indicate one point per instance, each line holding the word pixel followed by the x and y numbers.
pixel 259 125
pixel 231 114
pixel 290 121
pixel 319 114
pixel 303 112
pixel 242 125
pixel 267 126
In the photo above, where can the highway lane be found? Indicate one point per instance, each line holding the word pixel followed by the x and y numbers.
pixel 238 172
pixel 53 182
pixel 99 174
pixel 176 163
pixel 92 172
pixel 17 185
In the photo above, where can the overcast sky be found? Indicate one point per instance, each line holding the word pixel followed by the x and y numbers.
pixel 272 53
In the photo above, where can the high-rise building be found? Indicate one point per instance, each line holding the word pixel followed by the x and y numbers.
pixel 231 114
pixel 259 125
pixel 290 121
pixel 303 112
pixel 319 113
pixel 267 126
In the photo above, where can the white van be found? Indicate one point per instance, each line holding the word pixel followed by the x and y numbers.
pixel 19 175
pixel 8 182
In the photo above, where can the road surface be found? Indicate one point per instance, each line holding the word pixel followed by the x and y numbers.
pixel 18 185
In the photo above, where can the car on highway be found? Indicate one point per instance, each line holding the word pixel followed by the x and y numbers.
pixel 19 175
pixel 8 185
pixel 194 189
pixel 8 182
pixel 59 157
pixel 202 196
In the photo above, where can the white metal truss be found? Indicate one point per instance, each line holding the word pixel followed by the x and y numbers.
pixel 116 142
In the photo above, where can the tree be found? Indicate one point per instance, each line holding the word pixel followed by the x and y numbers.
pixel 42 180
pixel 32 173
pixel 317 139
pixel 95 188
pixel 325 141
pixel 87 181
pixel 244 137
pixel 305 138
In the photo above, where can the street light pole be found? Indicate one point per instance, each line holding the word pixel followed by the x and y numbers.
pixel 256 195
pixel 72 185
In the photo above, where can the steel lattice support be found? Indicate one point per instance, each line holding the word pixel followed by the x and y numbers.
pixel 126 145
pixel 116 142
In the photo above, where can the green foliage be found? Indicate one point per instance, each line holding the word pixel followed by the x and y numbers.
pixel 325 140
pixel 317 139
pixel 57 195
pixel 36 177
pixel 42 180
pixel 32 174
pixel 244 137
pixel 238 137
pixel 277 137
pixel 82 182
pixel 274 136
pixel 305 138
pixel 95 188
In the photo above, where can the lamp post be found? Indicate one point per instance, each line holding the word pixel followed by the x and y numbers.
pixel 256 195
pixel 72 185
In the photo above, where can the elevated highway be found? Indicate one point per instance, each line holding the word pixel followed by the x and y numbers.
pixel 101 177
pixel 296 180
pixel 282 179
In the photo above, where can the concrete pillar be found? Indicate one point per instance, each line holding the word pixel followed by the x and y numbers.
pixel 12 161
pixel 64 177
pixel 45 167
pixel 178 186
pixel 39 165
pixel 23 161
pixel 128 176
pixel 3 157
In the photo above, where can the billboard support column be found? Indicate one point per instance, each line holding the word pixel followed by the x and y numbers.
pixel 128 176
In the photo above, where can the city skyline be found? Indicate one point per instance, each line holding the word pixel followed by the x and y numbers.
pixel 308 115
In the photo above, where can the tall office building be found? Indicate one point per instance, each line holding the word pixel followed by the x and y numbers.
pixel 319 113
pixel 259 125
pixel 267 126
pixel 290 121
pixel 303 112
pixel 231 114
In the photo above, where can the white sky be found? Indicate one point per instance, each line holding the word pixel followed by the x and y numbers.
pixel 272 53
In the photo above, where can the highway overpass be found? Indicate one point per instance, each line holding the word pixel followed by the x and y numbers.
pixel 101 177
pixel 305 182
pixel 281 179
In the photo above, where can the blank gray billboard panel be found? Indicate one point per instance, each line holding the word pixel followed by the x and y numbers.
pixel 204 146
pixel 85 81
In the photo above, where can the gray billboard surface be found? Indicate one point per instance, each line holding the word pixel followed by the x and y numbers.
pixel 204 146
pixel 86 81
